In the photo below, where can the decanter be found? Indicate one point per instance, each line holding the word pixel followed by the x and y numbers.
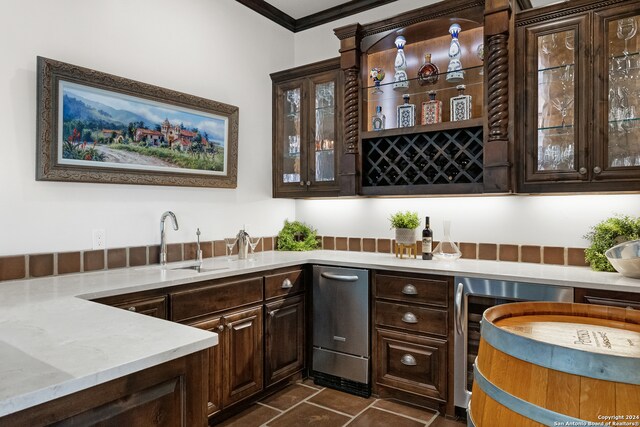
pixel 460 105
pixel 432 110
pixel 406 113
pixel 446 249
pixel 377 121
pixel 400 78
pixel 454 70
pixel 428 72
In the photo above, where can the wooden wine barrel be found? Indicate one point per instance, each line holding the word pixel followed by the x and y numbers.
pixel 551 364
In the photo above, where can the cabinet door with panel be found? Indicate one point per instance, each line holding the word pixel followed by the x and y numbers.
pixel 243 355
pixel 215 354
pixel 579 85
pixel 307 132
pixel 284 338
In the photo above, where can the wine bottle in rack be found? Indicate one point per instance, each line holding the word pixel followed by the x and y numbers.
pixel 427 241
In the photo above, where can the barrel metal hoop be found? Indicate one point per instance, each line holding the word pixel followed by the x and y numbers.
pixel 572 361
pixel 470 422
pixel 522 407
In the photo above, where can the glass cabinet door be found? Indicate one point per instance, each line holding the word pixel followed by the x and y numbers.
pixel 323 131
pixel 290 135
pixel 556 112
pixel 619 88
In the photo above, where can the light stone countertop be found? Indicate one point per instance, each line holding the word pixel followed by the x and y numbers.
pixel 54 342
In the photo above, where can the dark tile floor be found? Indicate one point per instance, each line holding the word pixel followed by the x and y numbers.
pixel 306 404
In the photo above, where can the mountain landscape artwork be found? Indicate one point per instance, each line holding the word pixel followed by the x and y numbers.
pixel 108 129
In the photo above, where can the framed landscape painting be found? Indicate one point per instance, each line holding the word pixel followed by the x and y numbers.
pixel 96 127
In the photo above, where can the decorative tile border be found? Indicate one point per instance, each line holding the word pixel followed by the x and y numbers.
pixel 40 265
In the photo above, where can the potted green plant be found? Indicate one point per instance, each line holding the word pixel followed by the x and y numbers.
pixel 607 234
pixel 297 236
pixel 405 224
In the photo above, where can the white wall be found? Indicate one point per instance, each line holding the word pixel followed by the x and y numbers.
pixel 219 50
pixel 539 220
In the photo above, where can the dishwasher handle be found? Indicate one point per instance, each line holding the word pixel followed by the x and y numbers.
pixel 339 277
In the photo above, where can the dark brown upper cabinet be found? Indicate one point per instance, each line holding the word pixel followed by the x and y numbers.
pixel 471 155
pixel 307 130
pixel 578 68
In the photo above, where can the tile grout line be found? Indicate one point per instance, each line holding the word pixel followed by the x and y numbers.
pixel 360 413
pixel 270 407
pixel 406 416
pixel 434 418
pixel 308 386
pixel 289 409
pixel 330 409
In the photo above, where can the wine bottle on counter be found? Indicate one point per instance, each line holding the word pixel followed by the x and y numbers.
pixel 427 241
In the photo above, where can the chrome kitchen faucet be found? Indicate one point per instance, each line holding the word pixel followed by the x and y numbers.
pixel 163 240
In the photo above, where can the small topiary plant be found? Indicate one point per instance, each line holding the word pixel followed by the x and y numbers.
pixel 297 236
pixel 406 219
pixel 606 234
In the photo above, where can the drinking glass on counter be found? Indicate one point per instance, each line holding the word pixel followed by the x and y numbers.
pixel 229 243
pixel 253 244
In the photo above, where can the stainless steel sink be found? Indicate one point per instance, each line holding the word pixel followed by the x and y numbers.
pixel 199 268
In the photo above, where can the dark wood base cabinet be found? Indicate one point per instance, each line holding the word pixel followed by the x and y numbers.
pixel 169 395
pixel 612 298
pixel 412 340
pixel 284 338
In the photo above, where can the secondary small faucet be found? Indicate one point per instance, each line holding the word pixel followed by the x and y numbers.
pixel 163 240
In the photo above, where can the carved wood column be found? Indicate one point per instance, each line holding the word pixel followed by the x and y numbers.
pixel 349 175
pixel 498 148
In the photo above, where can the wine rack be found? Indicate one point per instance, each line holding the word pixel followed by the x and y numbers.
pixel 446 160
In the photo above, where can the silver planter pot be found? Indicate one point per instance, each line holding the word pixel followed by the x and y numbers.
pixel 406 236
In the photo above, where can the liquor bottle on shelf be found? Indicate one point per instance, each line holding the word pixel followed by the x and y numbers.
pixel 454 70
pixel 406 113
pixel 460 105
pixel 428 72
pixel 400 78
pixel 432 110
pixel 427 241
pixel 377 121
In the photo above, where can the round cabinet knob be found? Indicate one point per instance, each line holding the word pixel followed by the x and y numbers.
pixel 582 171
pixel 221 328
pixel 597 170
pixel 308 183
pixel 408 360
pixel 409 317
pixel 409 289
pixel 301 183
pixel 286 284
pixel 131 309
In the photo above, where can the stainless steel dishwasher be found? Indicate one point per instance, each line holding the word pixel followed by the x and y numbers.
pixel 341 329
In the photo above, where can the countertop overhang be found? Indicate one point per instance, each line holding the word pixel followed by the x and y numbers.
pixel 54 341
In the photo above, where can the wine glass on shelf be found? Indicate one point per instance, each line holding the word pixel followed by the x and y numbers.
pixel 253 243
pixel 229 243
pixel 293 96
pixel 627 29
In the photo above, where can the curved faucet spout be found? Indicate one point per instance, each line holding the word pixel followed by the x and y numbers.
pixel 163 241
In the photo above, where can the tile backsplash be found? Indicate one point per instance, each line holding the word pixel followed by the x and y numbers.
pixel 39 265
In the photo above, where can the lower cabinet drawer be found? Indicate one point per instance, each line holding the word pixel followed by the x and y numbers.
pixel 155 307
pixel 411 363
pixel 411 318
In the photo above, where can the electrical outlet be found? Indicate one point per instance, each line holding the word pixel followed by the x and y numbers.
pixel 99 239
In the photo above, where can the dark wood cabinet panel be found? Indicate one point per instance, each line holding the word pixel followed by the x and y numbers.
pixel 243 356
pixel 412 363
pixel 284 338
pixel 218 297
pixel 575 97
pixel 215 354
pixel 412 318
pixel 307 130
pixel 155 306
pixel 612 298
pixel 412 289
pixel 284 284
pixel 172 394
